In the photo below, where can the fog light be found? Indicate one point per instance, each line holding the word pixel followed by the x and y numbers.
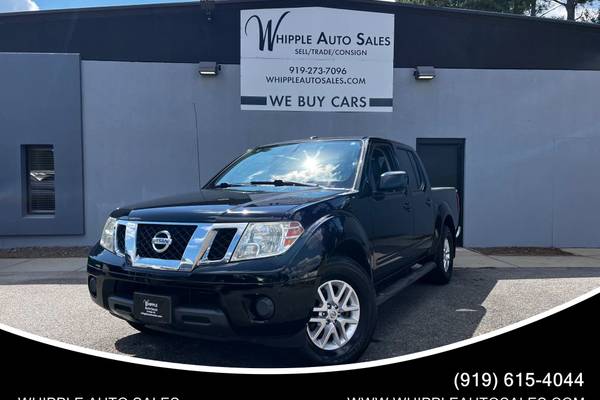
pixel 92 286
pixel 264 307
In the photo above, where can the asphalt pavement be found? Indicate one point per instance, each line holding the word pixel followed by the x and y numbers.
pixel 49 297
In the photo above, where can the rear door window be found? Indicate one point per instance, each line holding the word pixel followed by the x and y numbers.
pixel 420 176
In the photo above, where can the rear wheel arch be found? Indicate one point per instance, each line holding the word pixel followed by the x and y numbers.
pixel 443 257
pixel 444 217
pixel 449 222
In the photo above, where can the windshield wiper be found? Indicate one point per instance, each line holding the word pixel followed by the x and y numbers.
pixel 224 185
pixel 279 182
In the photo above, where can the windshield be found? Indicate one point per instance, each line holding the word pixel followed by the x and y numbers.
pixel 323 163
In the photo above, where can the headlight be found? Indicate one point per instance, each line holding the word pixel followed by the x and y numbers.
pixel 107 240
pixel 266 239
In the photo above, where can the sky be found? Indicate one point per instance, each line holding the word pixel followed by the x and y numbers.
pixel 33 5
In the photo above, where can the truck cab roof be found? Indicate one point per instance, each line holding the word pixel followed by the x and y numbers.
pixel 329 138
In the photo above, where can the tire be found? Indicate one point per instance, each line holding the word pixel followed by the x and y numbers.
pixel 443 258
pixel 359 291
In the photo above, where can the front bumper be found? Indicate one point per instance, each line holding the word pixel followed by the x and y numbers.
pixel 210 302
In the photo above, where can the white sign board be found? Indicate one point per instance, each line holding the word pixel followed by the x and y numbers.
pixel 316 59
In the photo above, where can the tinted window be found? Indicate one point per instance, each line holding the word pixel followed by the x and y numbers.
pixel 406 165
pixel 381 160
pixel 326 163
pixel 419 171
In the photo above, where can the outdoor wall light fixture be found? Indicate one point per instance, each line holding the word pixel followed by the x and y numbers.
pixel 424 73
pixel 208 68
pixel 208 6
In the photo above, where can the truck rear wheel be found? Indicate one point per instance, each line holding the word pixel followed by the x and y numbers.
pixel 443 258
pixel 344 316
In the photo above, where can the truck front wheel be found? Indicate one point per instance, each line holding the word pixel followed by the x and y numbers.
pixel 343 318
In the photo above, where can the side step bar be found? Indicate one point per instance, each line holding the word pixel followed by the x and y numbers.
pixel 418 271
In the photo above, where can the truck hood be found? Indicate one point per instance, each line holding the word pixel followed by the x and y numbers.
pixel 210 205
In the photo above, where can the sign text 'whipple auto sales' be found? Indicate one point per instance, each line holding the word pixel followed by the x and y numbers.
pixel 316 59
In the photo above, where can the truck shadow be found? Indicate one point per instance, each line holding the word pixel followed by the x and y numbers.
pixel 421 317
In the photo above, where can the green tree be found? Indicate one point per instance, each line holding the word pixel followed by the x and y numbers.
pixel 575 10
pixel 504 6
pixel 571 7
pixel 588 8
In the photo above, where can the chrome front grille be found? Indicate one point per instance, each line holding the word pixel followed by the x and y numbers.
pixel 120 239
pixel 180 237
pixel 190 244
pixel 220 244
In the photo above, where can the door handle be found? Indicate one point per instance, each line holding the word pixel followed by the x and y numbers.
pixel 406 206
pixel 378 196
pixel 428 202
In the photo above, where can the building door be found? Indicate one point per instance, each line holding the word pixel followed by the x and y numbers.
pixel 444 160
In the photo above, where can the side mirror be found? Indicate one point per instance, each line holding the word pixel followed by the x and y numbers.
pixel 393 180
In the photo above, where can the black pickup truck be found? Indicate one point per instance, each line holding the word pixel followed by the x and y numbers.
pixel 297 241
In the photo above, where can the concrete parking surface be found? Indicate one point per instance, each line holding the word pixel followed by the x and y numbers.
pixel 48 297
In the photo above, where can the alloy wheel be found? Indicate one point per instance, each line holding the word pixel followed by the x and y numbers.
pixel 446 255
pixel 335 317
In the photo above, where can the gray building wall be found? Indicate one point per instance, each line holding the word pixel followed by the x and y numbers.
pixel 531 158
pixel 40 104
